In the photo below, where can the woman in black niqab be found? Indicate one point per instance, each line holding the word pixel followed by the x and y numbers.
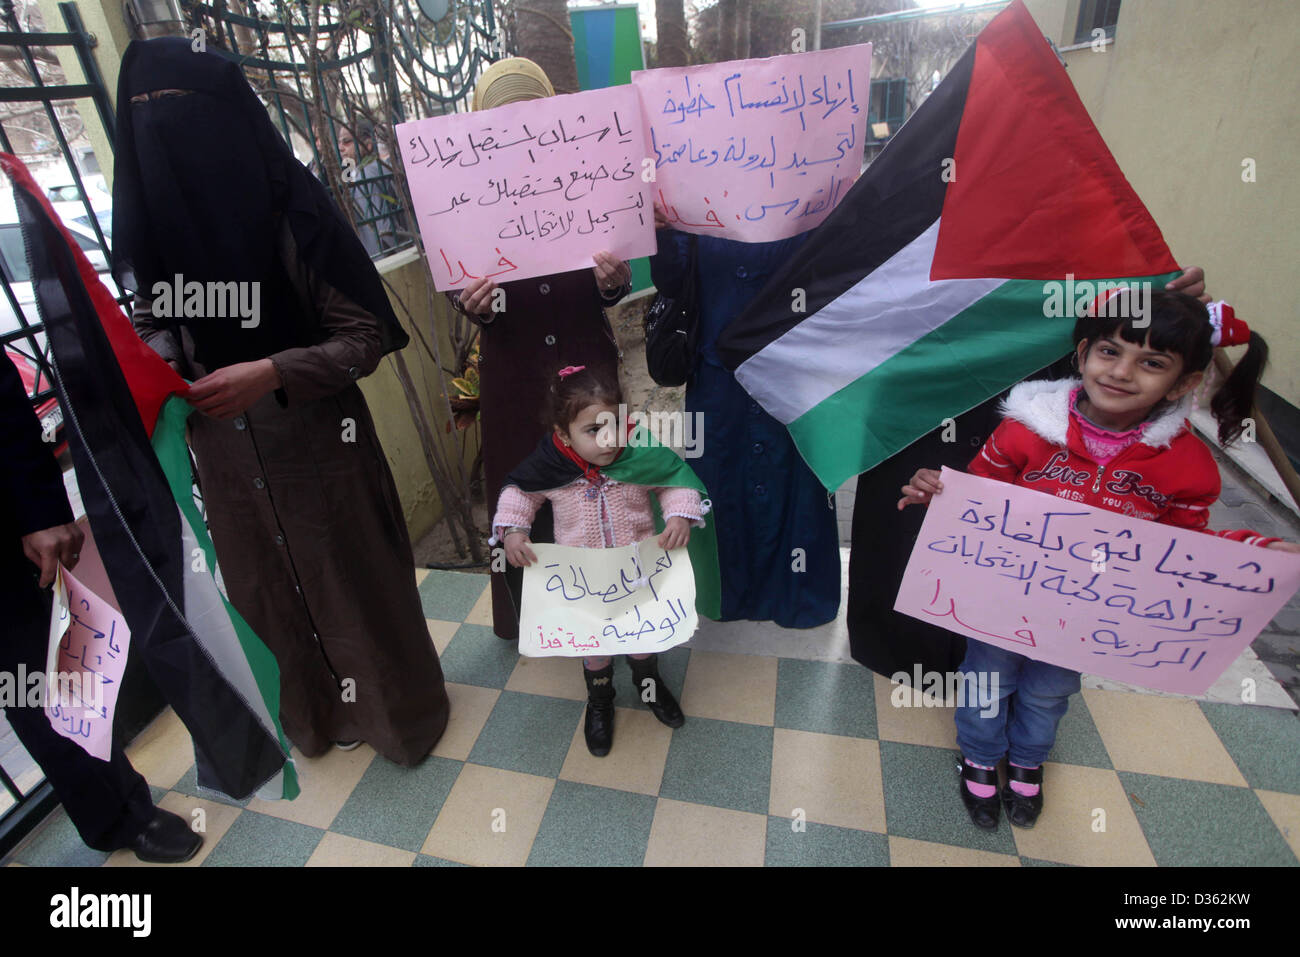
pixel 308 526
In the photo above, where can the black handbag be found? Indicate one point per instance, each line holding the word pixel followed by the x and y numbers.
pixel 670 329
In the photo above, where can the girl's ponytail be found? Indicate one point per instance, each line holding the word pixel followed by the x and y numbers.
pixel 1233 402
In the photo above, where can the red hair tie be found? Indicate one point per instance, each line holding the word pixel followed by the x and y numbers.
pixel 1228 329
pixel 569 370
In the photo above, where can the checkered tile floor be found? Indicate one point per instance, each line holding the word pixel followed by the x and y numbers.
pixel 782 761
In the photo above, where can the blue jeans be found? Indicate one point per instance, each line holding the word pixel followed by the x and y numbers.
pixel 1033 698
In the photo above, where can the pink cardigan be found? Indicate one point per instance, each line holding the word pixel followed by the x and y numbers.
pixel 604 515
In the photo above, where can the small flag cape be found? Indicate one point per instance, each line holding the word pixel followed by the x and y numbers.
pixel 953 267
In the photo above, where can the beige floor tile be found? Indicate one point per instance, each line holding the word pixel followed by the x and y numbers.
pixel 1065 830
pixel 905 852
pixel 216 819
pixel 555 677
pixel 326 783
pixel 835 779
pixel 481 613
pixel 420 575
pixel 1284 809
pixel 338 850
pixel 441 632
pixel 730 687
pixel 1154 735
pixel 927 724
pixel 470 707
pixel 162 752
pixel 695 835
pixel 490 817
pixel 635 763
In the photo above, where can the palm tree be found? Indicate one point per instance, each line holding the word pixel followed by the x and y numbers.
pixel 673 48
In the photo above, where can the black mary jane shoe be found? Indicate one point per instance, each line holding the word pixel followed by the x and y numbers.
pixel 656 694
pixel 984 812
pixel 1023 811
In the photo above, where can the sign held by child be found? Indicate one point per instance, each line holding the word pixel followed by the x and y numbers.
pixel 585 602
pixel 1088 589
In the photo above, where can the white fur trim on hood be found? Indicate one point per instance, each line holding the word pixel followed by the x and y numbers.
pixel 1043 407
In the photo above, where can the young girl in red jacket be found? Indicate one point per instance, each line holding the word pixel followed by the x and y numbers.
pixel 1117 439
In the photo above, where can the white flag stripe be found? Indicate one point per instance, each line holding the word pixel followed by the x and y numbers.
pixel 884 313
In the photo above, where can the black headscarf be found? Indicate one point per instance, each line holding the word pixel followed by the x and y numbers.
pixel 201 183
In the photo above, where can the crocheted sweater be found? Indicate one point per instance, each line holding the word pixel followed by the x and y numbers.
pixel 606 514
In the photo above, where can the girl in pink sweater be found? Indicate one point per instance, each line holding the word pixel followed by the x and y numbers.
pixel 593 511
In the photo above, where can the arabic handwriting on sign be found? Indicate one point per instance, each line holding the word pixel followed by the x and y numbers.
pixel 1210 578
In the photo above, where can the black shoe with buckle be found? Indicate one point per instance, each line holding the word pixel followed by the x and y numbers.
pixel 1023 811
pixel 167 839
pixel 598 724
pixel 984 812
pixel 656 693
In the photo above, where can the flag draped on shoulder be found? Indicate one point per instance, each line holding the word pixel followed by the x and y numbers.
pixel 125 420
pixel 955 265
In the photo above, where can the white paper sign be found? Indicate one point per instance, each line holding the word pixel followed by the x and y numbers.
pixel 606 601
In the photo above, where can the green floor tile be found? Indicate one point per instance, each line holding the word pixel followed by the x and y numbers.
pixel 1265 743
pixel 922 801
pixel 586 826
pixel 672 668
pixel 826 697
pixel 450 596
pixel 56 843
pixel 528 732
pixel 1034 862
pixel 424 860
pixel 476 656
pixel 1194 823
pixel 821 845
pixel 397 806
pixel 256 840
pixel 188 785
pixel 721 763
pixel 1077 738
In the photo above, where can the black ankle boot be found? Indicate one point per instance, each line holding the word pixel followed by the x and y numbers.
pixel 598 724
pixel 656 693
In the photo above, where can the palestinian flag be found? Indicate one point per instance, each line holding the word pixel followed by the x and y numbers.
pixel 943 275
pixel 125 420
pixel 643 461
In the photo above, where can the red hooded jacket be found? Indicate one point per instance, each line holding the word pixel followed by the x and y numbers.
pixel 1167 476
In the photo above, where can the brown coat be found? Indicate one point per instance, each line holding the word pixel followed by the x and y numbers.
pixel 311 542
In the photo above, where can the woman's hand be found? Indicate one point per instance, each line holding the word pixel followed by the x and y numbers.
pixel 676 533
pixel 1285 546
pixel 924 486
pixel 661 216
pixel 612 274
pixel 517 551
pixel 476 298
pixel 1191 282
pixel 233 390
pixel 50 546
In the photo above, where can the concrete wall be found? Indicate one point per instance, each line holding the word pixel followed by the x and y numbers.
pixel 405 272
pixel 1187 92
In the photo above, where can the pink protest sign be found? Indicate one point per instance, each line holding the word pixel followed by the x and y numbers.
pixel 532 188
pixel 756 150
pixel 89 640
pixel 1087 589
